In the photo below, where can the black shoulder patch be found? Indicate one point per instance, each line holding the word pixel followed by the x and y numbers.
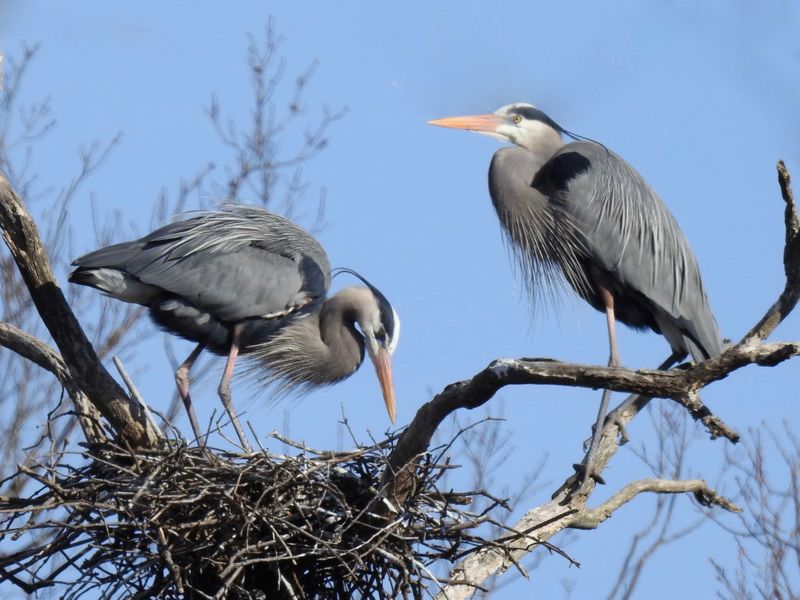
pixel 556 174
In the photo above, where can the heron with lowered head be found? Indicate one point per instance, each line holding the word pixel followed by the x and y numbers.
pixel 244 280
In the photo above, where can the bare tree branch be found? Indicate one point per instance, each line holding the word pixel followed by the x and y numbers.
pixel 22 238
pixel 260 159
pixel 34 350
pixel 591 518
pixel 791 264
pixel 679 383
pixel 699 412
pixel 672 442
pixel 41 354
pixel 768 533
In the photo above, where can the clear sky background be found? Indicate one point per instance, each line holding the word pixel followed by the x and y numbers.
pixel 700 97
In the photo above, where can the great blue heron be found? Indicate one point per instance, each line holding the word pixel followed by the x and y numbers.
pixel 242 279
pixel 581 211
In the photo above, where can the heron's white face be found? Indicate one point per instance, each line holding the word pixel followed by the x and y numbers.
pixel 380 326
pixel 378 322
pixel 516 128
pixel 392 344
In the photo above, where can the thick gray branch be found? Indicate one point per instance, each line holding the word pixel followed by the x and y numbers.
pixel 22 237
pixel 680 384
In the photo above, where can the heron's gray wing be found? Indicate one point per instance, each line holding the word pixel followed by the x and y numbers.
pixel 238 263
pixel 247 282
pixel 238 226
pixel 629 233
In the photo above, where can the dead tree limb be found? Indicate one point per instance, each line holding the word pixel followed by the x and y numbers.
pixel 38 352
pixel 791 263
pixel 679 384
pixel 22 238
pixel 591 518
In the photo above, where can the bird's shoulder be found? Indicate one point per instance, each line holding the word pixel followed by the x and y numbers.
pixel 572 171
pixel 592 182
pixel 581 165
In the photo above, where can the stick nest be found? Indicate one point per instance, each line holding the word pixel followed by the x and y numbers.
pixel 191 523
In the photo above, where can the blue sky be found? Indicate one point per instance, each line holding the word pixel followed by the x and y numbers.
pixel 700 97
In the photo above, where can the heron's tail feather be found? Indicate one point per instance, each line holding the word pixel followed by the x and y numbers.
pixel 703 339
pixel 115 283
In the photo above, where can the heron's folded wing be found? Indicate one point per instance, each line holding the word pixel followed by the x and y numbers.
pixel 629 232
pixel 249 282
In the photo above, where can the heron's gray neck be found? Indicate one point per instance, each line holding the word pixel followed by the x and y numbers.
pixel 544 240
pixel 344 344
pixel 314 350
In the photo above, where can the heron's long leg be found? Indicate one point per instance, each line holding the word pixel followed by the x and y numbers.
pixel 182 381
pixel 581 469
pixel 672 359
pixel 608 301
pixel 225 385
pixel 613 361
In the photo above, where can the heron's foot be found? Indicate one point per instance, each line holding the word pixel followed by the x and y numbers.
pixel 584 474
pixel 623 434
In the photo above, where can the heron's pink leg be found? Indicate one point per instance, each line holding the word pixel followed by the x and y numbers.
pixel 225 385
pixel 182 381
pixel 608 300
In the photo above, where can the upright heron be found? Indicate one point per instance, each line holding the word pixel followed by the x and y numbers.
pixel 242 279
pixel 579 211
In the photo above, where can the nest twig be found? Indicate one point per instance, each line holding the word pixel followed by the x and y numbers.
pixel 190 523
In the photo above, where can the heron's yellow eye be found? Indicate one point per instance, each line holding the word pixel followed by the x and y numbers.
pixel 517 119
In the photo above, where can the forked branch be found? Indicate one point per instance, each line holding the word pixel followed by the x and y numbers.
pixel 22 238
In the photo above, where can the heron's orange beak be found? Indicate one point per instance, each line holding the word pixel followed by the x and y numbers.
pixel 488 122
pixel 383 368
